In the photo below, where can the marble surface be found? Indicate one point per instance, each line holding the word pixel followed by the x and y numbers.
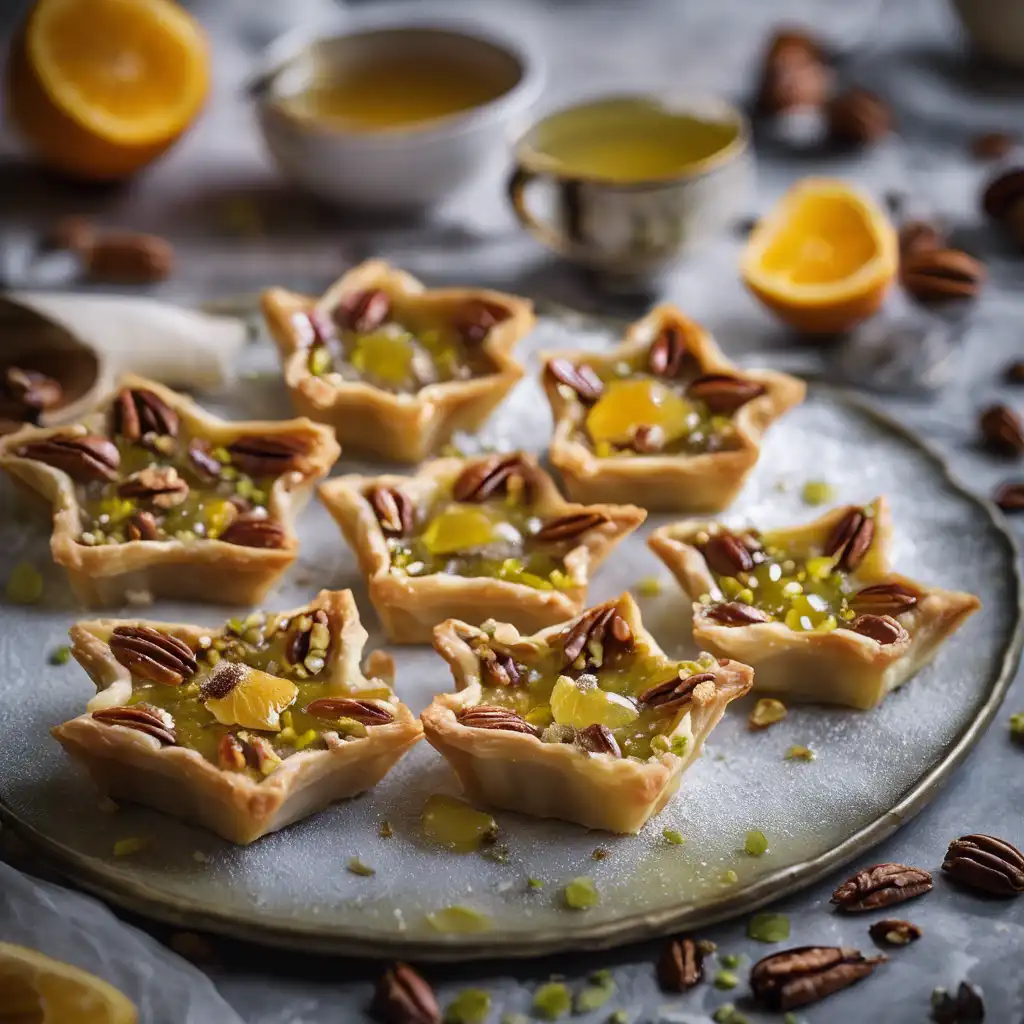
pixel 905 49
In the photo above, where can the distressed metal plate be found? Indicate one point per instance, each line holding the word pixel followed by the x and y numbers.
pixel 872 772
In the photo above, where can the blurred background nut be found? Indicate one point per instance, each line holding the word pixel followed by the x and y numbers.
pixel 858 117
pixel 938 275
pixel 920 236
pixel 794 74
pixel 1002 193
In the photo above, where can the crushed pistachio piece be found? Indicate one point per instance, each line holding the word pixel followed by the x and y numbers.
pixel 581 894
pixel 767 711
pixel 468 1007
pixel 131 845
pixel 1017 726
pixel 459 920
pixel 25 584
pixel 728 1014
pixel 60 655
pixel 357 867
pixel 619 1017
pixel 756 843
pixel 790 1018
pixel 729 877
pixel 730 960
pixel 385 831
pixel 817 492
pixel 660 744
pixel 535 883
pixel 726 980
pixel 649 586
pixel 673 837
pixel 599 854
pixel 768 927
pixel 552 1001
pixel 798 753
pixel 594 995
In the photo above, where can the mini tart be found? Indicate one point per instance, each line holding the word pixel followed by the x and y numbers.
pixel 472 538
pixel 296 726
pixel 587 721
pixel 678 426
pixel 826 620
pixel 393 367
pixel 154 497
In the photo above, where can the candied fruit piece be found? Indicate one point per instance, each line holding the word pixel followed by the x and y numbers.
pixel 582 702
pixel 627 404
pixel 459 528
pixel 451 822
pixel 255 701
pixel 386 354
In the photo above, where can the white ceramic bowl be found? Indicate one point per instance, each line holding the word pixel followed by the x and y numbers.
pixel 399 168
pixel 995 28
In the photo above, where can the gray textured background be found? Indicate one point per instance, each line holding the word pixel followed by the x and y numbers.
pixel 905 49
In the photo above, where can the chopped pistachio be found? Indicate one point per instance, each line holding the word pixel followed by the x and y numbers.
pixel 728 1014
pixel 619 1017
pixel 1017 726
pixel 706 946
pixel 756 843
pixel 730 960
pixel 817 492
pixel 552 1001
pixel 767 711
pixel 25 584
pixel 535 883
pixel 459 920
pixel 798 753
pixel 726 980
pixel 470 1006
pixel 357 867
pixel 60 655
pixel 593 996
pixel 660 744
pixel 599 854
pixel 678 745
pixel 350 727
pixel 385 831
pixel 131 845
pixel 768 927
pixel 581 894
pixel 673 837
pixel 649 586
pixel 729 877
pixel 790 1018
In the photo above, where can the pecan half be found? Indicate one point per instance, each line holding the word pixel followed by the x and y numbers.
pixel 578 377
pixel 992 145
pixel 987 864
pixel 151 654
pixel 668 352
pixel 201 459
pixel 501 668
pixel 27 393
pixel 488 477
pixel 251 531
pixel 1002 193
pixel 1010 497
pixel 403 997
pixel 598 739
pixel 919 236
pixel 723 394
pixel 126 257
pixel 142 526
pixel 793 74
pixel 966 1007
pixel 394 510
pixel 141 717
pixel 237 751
pixel 727 555
pixel 475 320
pixel 158 486
pixel 858 116
pixel 594 634
pixel 673 693
pixel 894 931
pixel 680 966
pixel 313 634
pixel 268 456
pixel 369 712
pixel 735 613
pixel 882 628
pixel 137 413
pixel 1002 430
pixel 363 311
pixel 487 716
pixel 850 539
pixel 85 458
pixel 797 977
pixel 884 599
pixel 881 886
pixel 570 526
pixel 938 275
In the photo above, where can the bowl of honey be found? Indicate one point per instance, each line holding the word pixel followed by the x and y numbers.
pixel 395 117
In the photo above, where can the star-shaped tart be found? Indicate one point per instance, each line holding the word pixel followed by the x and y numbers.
pixel 472 538
pixel 396 368
pixel 815 609
pixel 243 729
pixel 154 497
pixel 587 721
pixel 664 419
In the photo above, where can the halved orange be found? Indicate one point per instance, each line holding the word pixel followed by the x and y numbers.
pixel 34 987
pixel 824 258
pixel 99 88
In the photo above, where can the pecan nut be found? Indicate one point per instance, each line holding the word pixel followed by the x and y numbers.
pixel 158 486
pixel 1002 430
pixel 476 319
pixel 580 378
pixel 937 275
pixel 797 977
pixel 859 116
pixel 153 655
pixel 252 531
pixel 883 629
pixel 884 599
pixel 569 527
pixel 594 634
pixel 84 458
pixel 141 717
pixel 598 739
pixel 668 353
pixel 403 997
pixel 674 693
pixel 501 668
pixel 394 510
pixel 140 412
pixel 125 257
pixel 488 716
pixel 850 539
pixel 987 864
pixel 727 555
pixel 28 393
pixel 992 145
pixel 793 75
pixel 895 931
pixel 238 751
pixel 735 613
pixel 881 886
pixel 268 456
pixel 919 236
pixel 723 394
pixel 680 966
pixel 363 311
pixel 966 1007
pixel 201 459
pixel 368 712
pixel 142 525
pixel 1002 193
pixel 1010 497
pixel 489 477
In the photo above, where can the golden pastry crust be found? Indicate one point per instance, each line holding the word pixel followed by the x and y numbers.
pixel 843 666
pixel 131 765
pixel 369 420
pixel 521 772
pixel 410 607
pixel 705 482
pixel 194 570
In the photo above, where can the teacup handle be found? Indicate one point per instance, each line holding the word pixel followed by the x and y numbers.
pixel 518 183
